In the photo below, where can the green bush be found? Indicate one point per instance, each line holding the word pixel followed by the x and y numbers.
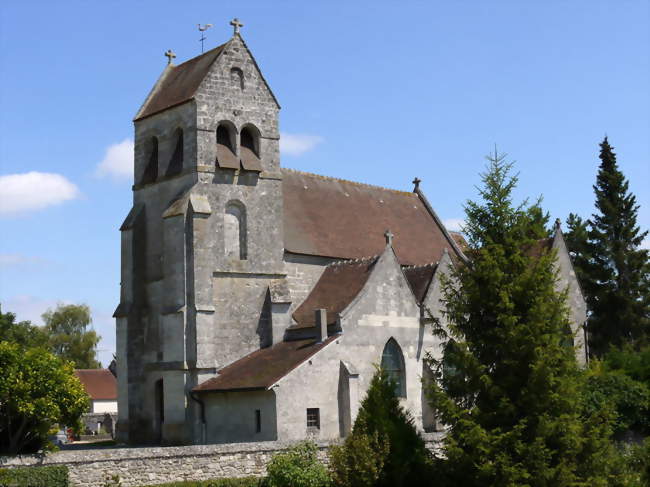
pixel 360 461
pixel 298 467
pixel 629 398
pixel 54 476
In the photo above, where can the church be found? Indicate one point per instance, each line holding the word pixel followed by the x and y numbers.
pixel 257 301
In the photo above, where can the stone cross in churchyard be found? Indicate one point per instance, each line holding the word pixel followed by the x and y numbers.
pixel 236 24
pixel 389 237
pixel 170 55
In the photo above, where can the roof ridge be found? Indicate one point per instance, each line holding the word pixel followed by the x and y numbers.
pixel 359 260
pixel 422 266
pixel 356 183
pixel 200 55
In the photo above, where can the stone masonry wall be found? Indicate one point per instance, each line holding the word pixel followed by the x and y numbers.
pixel 151 466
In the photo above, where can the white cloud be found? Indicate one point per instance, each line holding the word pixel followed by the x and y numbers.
pixel 33 191
pixel 454 224
pixel 11 260
pixel 118 161
pixel 297 144
pixel 646 243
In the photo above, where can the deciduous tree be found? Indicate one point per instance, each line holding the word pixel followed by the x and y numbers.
pixel 37 390
pixel 69 337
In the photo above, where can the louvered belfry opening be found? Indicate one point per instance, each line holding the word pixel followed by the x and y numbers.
pixel 226 157
pixel 151 171
pixel 249 152
pixel 176 162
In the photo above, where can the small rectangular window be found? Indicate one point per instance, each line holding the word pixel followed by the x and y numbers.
pixel 258 421
pixel 313 418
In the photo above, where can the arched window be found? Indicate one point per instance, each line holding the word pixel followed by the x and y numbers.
pixel 226 157
pixel 176 162
pixel 235 231
pixel 392 362
pixel 151 170
pixel 249 149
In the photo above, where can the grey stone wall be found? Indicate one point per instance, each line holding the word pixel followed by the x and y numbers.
pixel 150 466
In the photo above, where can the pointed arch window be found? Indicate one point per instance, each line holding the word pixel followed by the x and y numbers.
pixel 176 162
pixel 235 231
pixel 392 362
pixel 226 157
pixel 151 170
pixel 250 150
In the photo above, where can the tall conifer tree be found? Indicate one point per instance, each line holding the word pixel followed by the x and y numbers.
pixel 508 386
pixel 614 270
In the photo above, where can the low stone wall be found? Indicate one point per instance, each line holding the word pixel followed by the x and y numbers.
pixel 149 466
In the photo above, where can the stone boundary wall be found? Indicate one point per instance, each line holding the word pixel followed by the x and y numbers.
pixel 156 465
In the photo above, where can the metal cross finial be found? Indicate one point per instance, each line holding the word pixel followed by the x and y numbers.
pixel 236 24
pixel 416 182
pixel 558 223
pixel 389 237
pixel 170 55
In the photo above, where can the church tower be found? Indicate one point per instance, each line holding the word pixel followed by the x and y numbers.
pixel 202 242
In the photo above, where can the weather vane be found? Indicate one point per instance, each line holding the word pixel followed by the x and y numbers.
pixel 202 30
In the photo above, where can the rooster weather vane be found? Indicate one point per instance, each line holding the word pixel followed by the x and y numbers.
pixel 202 29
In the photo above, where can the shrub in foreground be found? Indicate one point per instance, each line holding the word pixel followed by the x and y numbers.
pixel 298 467
pixel 50 476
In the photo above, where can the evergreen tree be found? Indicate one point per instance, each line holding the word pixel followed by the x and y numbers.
pixel 384 448
pixel 507 388
pixel 614 270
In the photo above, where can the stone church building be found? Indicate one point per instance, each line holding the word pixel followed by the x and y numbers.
pixel 256 301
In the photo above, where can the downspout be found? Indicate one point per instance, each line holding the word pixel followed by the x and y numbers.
pixel 195 397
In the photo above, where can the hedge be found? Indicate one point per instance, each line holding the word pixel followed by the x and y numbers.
pixel 229 482
pixel 53 476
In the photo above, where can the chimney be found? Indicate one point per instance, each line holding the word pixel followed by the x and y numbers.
pixel 321 325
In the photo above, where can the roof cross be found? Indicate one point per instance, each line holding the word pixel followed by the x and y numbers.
pixel 389 237
pixel 236 24
pixel 170 55
pixel 416 182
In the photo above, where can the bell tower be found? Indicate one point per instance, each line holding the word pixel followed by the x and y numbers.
pixel 203 240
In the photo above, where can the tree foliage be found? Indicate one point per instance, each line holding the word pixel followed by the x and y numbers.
pixel 298 467
pixel 384 447
pixel 69 337
pixel 613 268
pixel 22 333
pixel 512 404
pixel 37 390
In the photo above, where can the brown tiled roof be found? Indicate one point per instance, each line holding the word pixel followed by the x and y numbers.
pixel 180 83
pixel 337 218
pixel 99 383
pixel 263 368
pixel 420 278
pixel 460 240
pixel 337 287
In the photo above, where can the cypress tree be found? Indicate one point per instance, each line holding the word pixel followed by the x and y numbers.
pixel 614 270
pixel 507 387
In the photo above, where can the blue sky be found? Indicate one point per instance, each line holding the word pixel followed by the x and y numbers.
pixel 371 91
